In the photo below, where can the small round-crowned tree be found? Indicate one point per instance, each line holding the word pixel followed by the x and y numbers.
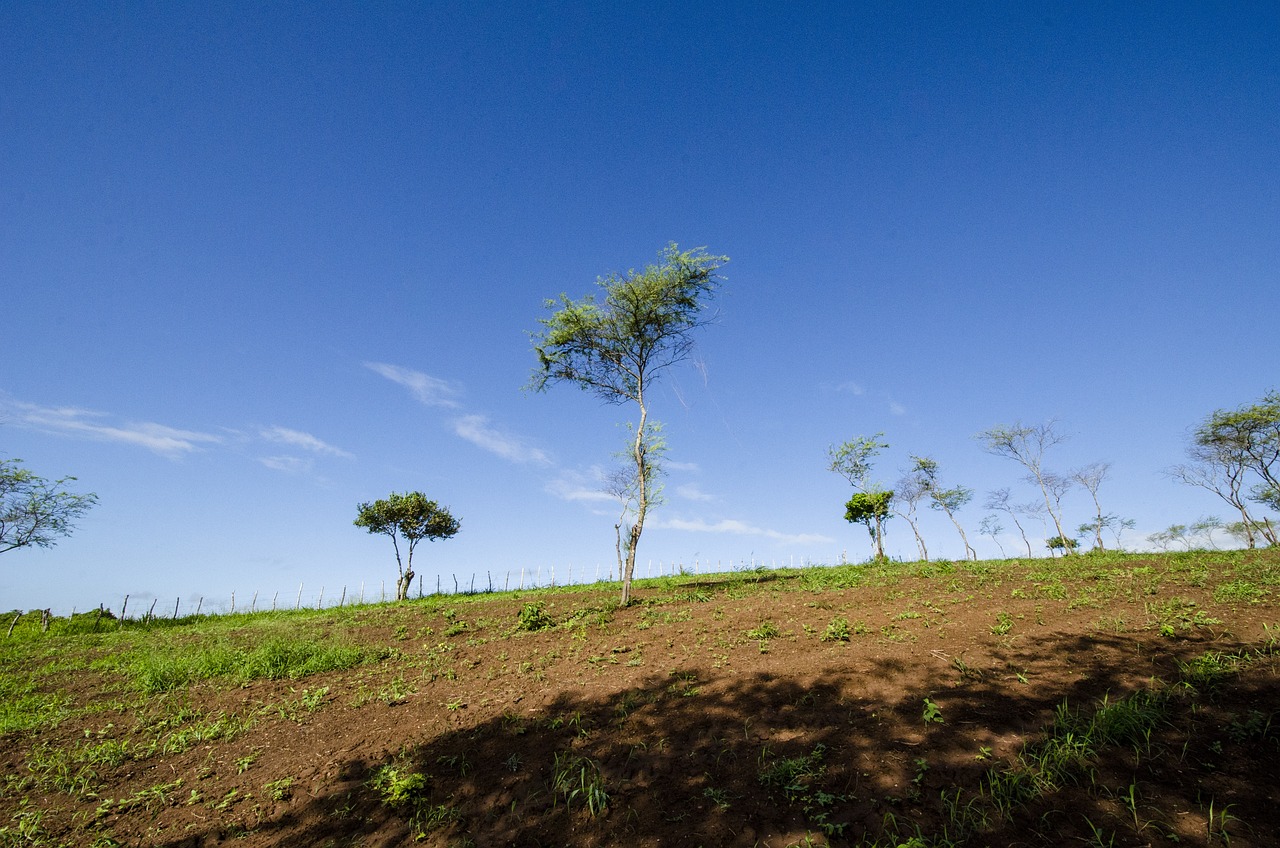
pixel 411 517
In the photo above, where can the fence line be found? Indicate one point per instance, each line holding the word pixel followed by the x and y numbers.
pixel 524 578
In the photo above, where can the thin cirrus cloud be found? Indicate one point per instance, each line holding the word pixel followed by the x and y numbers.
pixel 476 429
pixel 741 528
pixel 691 492
pixel 430 391
pixel 583 488
pixel 287 464
pixel 87 424
pixel 305 441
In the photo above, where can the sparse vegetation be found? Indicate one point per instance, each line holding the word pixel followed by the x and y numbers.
pixel 215 726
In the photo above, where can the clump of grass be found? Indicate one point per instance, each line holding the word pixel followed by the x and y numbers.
pixel 766 630
pixel 577 779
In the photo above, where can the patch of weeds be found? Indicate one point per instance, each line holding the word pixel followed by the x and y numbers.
pixel 917 781
pixel 1239 591
pixel 576 779
pixel 150 798
pixel 685 685
pixel 396 692
pixel 720 797
pixel 243 764
pixel 304 705
pixel 28 827
pixel 767 630
pixel 798 778
pixel 967 672
pixel 397 787
pixel 1254 726
pixel 932 713
pixel 837 631
pixel 1004 623
pixel 1178 615
pixel 533 616
pixel 279 790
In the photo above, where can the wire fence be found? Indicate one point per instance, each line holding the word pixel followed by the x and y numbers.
pixel 524 578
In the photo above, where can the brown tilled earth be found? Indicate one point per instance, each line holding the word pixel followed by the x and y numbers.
pixel 700 727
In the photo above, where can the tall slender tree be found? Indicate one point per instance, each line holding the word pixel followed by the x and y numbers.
pixel 1091 477
pixel 618 346
pixel 947 500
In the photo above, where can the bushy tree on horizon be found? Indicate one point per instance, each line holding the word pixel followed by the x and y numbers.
pixel 871 504
pixel 411 517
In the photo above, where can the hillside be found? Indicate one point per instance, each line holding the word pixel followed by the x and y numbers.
pixel 1102 700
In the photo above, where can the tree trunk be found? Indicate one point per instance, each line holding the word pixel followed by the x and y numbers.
pixel 969 552
pixel 642 499
pixel 924 552
pixel 1048 506
pixel 403 584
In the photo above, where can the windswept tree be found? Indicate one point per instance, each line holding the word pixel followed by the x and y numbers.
pixel 617 346
pixel 992 527
pixel 1000 500
pixel 1235 453
pixel 908 492
pixel 871 504
pixel 1091 477
pixel 1026 445
pixel 409 517
pixel 34 511
pixel 948 500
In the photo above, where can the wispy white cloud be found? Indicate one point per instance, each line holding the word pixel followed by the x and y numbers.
pixel 897 408
pixel 287 464
pixel 672 465
pixel 88 424
pixel 850 387
pixel 741 528
pixel 476 429
pixel 690 491
pixel 576 486
pixel 429 390
pixel 299 439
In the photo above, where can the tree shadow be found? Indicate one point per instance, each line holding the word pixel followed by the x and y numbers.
pixel 842 756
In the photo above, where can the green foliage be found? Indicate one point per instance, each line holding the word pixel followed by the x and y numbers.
pixel 533 616
pixel 932 713
pixel 837 631
pixel 643 325
pixel 766 630
pixel 35 512
pixel 1062 543
pixel 409 516
pixel 398 787
pixel 163 669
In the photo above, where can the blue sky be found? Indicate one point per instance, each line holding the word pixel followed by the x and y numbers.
pixel 263 262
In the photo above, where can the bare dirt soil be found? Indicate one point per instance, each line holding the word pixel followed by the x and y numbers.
pixel 917 705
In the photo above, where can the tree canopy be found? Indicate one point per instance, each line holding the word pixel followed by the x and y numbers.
pixel 34 511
